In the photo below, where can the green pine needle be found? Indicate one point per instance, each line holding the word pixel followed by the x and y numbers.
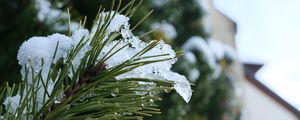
pixel 87 95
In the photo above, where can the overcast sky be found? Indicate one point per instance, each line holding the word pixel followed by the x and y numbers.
pixel 268 32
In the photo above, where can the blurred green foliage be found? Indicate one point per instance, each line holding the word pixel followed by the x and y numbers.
pixel 18 22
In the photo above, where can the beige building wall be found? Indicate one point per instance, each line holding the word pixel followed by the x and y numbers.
pixel 216 24
pixel 256 104
pixel 259 106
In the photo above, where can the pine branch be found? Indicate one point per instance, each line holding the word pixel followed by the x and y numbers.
pixel 86 83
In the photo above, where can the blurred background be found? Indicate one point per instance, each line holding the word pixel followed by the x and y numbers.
pixel 241 55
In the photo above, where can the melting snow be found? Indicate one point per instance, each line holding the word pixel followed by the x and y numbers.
pixel 12 103
pixel 35 49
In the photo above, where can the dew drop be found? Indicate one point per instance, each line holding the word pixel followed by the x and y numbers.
pixel 167 90
pixel 152 93
pixel 81 99
pixel 115 92
pixel 56 101
pixel 126 113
